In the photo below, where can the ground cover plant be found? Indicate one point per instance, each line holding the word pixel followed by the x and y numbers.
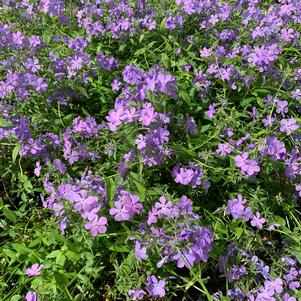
pixel 150 150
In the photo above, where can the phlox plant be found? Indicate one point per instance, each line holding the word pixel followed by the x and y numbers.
pixel 150 150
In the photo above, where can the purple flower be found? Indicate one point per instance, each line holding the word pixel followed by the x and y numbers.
pixel 276 285
pixel 132 75
pixel 115 118
pixel 34 270
pixel 237 272
pixel 268 120
pixel 140 252
pixel 264 55
pixel 40 85
pixel 37 170
pixel 191 126
pixel 287 297
pixel 190 175
pixel 236 207
pixel 205 52
pixel 32 64
pixel 247 166
pixel 18 38
pixel 185 258
pixel 164 208
pixel 76 63
pixel 155 288
pixel 126 206
pixel 120 212
pixel 274 148
pixel 211 110
pixel 31 296
pixel 116 84
pixel 288 126
pixel 136 294
pixel 147 114
pixel 107 63
pixel 97 225
pixel 224 149
pixel 282 107
pixel 152 216
pixel 296 94
pixel 257 221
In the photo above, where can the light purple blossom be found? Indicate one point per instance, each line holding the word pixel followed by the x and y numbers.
pixel 288 126
pixel 140 252
pixel 236 207
pixel 126 206
pixel 224 149
pixel 31 296
pixel 34 270
pixel 257 221
pixel 155 287
pixel 247 166
pixel 188 175
pixel 211 110
pixel 97 225
pixel 136 294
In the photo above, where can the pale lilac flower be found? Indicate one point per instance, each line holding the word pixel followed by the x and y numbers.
pixel 224 149
pixel 156 288
pixel 236 207
pixel 140 252
pixel 205 52
pixel 34 270
pixel 268 120
pixel 257 221
pixel 288 126
pixel 211 110
pixel 276 285
pixel 97 225
pixel 37 170
pixel 287 297
pixel 136 294
pixel 31 296
pixel 247 166
pixel 32 64
pixel 164 207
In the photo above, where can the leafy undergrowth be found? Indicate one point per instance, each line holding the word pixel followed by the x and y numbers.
pixel 150 150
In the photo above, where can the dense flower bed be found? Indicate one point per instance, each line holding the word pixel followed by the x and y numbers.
pixel 150 149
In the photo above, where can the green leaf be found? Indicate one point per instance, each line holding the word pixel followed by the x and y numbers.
pixel 298 255
pixel 22 249
pixel 239 231
pixel 111 190
pixel 9 253
pixel 247 101
pixel 60 279
pixel 16 151
pixel 47 37
pixel 60 259
pixel 279 220
pixel 72 255
pixel 54 254
pixel 141 38
pixel 140 51
pixel 28 186
pixel 16 298
pixel 119 249
pixel 185 96
pixel 9 214
pixel 264 91
pixel 205 128
pixel 260 102
pixel 4 123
